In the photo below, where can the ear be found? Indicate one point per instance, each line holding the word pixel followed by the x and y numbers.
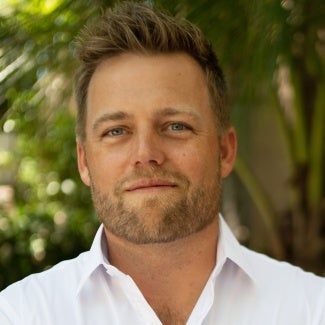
pixel 228 148
pixel 82 164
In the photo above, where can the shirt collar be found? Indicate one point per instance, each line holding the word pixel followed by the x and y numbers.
pixel 96 257
pixel 228 249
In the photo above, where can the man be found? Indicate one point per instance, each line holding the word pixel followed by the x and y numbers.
pixel 154 142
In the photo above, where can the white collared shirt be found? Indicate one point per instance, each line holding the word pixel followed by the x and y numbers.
pixel 244 288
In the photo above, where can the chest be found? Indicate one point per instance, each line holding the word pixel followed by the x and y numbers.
pixel 121 302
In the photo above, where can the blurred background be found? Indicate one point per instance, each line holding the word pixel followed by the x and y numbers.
pixel 273 56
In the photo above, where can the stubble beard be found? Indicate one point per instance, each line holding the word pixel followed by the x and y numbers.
pixel 159 219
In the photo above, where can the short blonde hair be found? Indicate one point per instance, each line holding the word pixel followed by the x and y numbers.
pixel 140 28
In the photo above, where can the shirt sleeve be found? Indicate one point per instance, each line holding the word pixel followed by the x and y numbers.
pixel 320 312
pixel 8 316
pixel 314 291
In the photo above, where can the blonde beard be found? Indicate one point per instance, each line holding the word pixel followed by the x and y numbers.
pixel 162 218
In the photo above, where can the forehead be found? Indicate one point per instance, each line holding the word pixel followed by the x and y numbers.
pixel 141 81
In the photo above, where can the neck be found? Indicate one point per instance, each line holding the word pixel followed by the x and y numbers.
pixel 169 275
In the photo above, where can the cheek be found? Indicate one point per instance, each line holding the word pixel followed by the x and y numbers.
pixel 199 166
pixel 192 164
pixel 105 169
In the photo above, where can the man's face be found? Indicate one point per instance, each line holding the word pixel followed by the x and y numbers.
pixel 152 155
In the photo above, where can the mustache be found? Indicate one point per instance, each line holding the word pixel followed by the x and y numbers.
pixel 151 173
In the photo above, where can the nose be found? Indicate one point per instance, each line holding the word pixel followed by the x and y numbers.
pixel 147 149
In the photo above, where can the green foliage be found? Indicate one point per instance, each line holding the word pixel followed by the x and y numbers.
pixel 52 216
pixel 265 47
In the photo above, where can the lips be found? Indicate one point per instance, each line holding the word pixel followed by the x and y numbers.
pixel 149 183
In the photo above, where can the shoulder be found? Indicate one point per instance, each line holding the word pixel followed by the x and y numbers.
pixel 68 271
pixel 44 288
pixel 282 281
pixel 266 267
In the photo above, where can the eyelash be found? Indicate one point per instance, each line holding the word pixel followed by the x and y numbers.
pixel 110 132
pixel 183 126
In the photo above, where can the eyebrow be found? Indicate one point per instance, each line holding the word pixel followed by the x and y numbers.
pixel 115 116
pixel 170 111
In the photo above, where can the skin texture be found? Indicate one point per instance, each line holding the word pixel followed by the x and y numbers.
pixel 154 161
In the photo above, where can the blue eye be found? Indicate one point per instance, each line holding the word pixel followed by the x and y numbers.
pixel 116 132
pixel 178 127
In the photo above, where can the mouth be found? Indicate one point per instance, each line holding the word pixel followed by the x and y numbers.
pixel 150 184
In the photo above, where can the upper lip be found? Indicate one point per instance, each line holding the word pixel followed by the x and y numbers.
pixel 149 183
